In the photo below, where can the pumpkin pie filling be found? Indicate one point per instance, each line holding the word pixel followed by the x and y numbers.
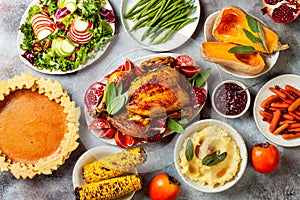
pixel 32 126
pixel 39 126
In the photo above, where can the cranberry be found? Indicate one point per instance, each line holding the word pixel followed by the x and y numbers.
pixel 229 100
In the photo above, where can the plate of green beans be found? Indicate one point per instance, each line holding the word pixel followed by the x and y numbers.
pixel 160 25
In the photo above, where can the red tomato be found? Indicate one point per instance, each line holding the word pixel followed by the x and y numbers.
pixel 164 187
pixel 265 157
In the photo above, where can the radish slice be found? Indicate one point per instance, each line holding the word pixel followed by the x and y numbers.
pixel 81 26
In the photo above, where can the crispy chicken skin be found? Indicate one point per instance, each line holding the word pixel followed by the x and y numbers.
pixel 159 92
pixel 157 62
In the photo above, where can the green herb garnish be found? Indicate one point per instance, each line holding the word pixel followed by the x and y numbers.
pixel 214 158
pixel 189 150
pixel 115 100
pixel 199 79
pixel 175 125
pixel 255 27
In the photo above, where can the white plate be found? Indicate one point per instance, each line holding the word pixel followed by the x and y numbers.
pixel 91 156
pixel 178 38
pixel 136 62
pixel 20 37
pixel 269 61
pixel 232 133
pixel 263 93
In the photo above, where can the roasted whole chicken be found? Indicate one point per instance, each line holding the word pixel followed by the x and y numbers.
pixel 155 91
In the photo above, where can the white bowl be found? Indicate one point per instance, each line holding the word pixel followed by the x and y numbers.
pixel 90 156
pixel 233 134
pixel 247 104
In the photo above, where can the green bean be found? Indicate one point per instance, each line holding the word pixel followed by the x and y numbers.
pixel 143 22
pixel 135 6
pixel 184 14
pixel 149 5
pixel 166 36
pixel 157 6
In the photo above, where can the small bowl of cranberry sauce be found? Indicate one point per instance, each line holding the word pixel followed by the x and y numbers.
pixel 230 100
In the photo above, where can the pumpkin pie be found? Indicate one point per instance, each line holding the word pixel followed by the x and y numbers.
pixel 39 126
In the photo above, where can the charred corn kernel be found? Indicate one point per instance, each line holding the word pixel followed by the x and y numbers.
pixel 114 165
pixel 110 188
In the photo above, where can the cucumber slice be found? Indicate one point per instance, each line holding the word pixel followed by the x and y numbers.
pixel 66 48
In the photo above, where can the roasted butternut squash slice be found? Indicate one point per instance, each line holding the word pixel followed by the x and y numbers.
pixel 217 52
pixel 229 26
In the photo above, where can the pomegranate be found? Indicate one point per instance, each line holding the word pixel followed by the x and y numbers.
pixel 199 95
pixel 282 11
pixel 94 95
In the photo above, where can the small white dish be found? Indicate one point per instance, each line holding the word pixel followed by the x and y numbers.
pixel 90 156
pixel 264 92
pixel 232 133
pixel 214 99
pixel 269 61
pixel 178 38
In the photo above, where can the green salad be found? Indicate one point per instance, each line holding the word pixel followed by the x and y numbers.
pixel 60 35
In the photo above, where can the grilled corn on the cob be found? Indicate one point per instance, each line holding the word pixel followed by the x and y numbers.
pixel 109 189
pixel 114 165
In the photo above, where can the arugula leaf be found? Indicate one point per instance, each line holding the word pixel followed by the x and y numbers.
pixel 189 150
pixel 242 49
pixel 252 23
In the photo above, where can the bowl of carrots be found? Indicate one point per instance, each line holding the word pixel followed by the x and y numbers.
pixel 277 110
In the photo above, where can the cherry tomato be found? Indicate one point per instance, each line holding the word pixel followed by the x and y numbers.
pixel 265 157
pixel 164 187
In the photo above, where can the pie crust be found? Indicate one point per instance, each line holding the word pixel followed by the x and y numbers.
pixel 68 141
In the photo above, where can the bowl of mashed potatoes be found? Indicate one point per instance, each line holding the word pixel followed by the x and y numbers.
pixel 210 156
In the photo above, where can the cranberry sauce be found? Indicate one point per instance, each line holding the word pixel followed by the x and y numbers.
pixel 229 100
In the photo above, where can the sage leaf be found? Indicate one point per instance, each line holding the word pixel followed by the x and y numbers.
pixel 252 24
pixel 250 36
pixel 116 104
pixel 241 49
pixel 189 150
pixel 174 125
pixel 214 158
pixel 183 121
pixel 110 92
pixel 119 89
pixel 263 40
pixel 202 78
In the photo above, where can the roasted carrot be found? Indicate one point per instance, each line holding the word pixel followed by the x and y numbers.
pixel 287 94
pixel 278 92
pixel 297 112
pixel 288 116
pixel 279 105
pixel 287 122
pixel 268 101
pixel 294 105
pixel 295 115
pixel 273 109
pixel 281 128
pixel 266 114
pixel 295 125
pixel 287 136
pixel 288 101
pixel 292 89
pixel 275 121
pixel 294 130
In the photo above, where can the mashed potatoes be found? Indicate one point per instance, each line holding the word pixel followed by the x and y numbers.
pixel 206 141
